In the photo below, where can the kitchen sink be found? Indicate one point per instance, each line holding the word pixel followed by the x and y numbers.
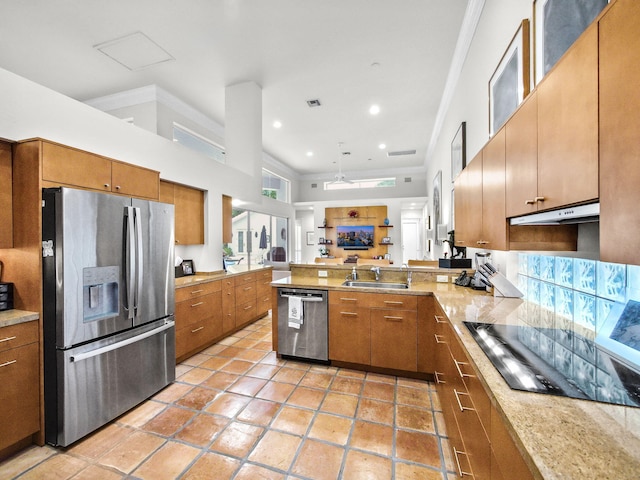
pixel 352 283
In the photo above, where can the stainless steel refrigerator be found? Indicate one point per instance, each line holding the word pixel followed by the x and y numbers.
pixel 108 303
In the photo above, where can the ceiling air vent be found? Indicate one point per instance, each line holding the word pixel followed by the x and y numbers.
pixel 314 185
pixel 400 153
pixel 313 103
pixel 407 179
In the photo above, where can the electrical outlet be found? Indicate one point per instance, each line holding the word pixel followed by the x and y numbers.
pixel 322 273
pixel 442 278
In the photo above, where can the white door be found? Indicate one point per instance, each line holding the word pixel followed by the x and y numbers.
pixel 410 241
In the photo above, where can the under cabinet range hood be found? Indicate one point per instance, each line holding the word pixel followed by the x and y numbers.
pixel 565 216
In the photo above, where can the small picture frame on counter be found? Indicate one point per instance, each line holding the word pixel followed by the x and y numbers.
pixel 386 239
pixel 188 268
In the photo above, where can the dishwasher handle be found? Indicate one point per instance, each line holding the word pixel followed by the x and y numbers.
pixel 304 299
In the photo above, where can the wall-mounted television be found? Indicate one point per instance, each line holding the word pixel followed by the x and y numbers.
pixel 355 237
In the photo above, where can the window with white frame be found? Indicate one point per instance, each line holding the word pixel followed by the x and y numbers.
pixel 200 144
pixel 274 186
pixel 367 183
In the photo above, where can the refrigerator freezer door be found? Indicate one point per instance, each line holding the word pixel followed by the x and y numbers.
pixel 154 295
pixel 84 279
pixel 103 379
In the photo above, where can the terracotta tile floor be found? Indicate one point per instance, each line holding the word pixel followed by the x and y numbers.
pixel 238 412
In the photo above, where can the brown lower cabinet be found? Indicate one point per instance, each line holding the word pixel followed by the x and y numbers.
pixel 381 330
pixel 209 311
pixel 20 380
pixel 481 446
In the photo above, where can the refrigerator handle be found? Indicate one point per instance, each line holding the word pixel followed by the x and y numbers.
pixel 129 260
pixel 139 259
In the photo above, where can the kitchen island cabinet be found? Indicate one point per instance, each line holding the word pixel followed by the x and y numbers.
pixel 619 127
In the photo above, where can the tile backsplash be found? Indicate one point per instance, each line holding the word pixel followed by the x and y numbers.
pixel 578 290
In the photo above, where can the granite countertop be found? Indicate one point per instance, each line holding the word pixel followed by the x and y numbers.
pixel 14 317
pixel 219 275
pixel 561 438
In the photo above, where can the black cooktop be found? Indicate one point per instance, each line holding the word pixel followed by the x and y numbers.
pixel 557 362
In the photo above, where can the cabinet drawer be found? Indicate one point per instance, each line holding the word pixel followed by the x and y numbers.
pixel 263 304
pixel 353 299
pixel 197 309
pixel 193 291
pixel 264 275
pixel 245 293
pixel 17 335
pixel 246 278
pixel 404 302
pixel 246 312
pixel 195 336
pixel 229 282
pixel 263 287
pixel 19 395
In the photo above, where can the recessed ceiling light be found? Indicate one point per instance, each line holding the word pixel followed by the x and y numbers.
pixel 382 146
pixel 309 154
pixel 374 109
pixel 277 124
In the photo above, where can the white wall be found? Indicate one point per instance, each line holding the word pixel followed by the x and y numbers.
pixel 498 24
pixel 30 110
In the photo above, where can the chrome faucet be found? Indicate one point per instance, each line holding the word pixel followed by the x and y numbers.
pixel 376 270
pixel 409 272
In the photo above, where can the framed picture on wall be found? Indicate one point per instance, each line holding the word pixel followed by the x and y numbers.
pixel 556 25
pixel 437 200
pixel 510 83
pixel 459 151
pixel 310 238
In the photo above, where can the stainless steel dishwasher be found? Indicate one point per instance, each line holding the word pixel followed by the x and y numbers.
pixel 308 338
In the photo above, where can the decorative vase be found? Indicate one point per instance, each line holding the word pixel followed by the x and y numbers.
pixel 386 221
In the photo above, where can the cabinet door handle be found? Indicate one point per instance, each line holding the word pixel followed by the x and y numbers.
pixel 393 319
pixel 349 314
pixel 391 302
pixel 539 199
pixel 460 472
pixel 196 291
pixel 348 299
pixel 440 319
pixel 529 202
pixel 248 307
pixel 106 185
pixel 6 364
pixel 462 375
pixel 117 187
pixel 437 377
pixel 247 288
pixel 6 339
pixel 196 304
pixel 438 337
pixel 457 394
pixel 197 329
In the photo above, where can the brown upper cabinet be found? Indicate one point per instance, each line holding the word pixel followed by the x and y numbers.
pixel 619 133
pixel 521 163
pixel 568 127
pixel 227 225
pixel 480 199
pixel 63 165
pixel 189 211
pixel 6 196
pixel 552 139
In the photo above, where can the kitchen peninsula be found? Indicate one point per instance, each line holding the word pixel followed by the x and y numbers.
pixel 557 437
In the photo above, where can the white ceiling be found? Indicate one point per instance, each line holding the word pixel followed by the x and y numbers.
pixel 295 50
